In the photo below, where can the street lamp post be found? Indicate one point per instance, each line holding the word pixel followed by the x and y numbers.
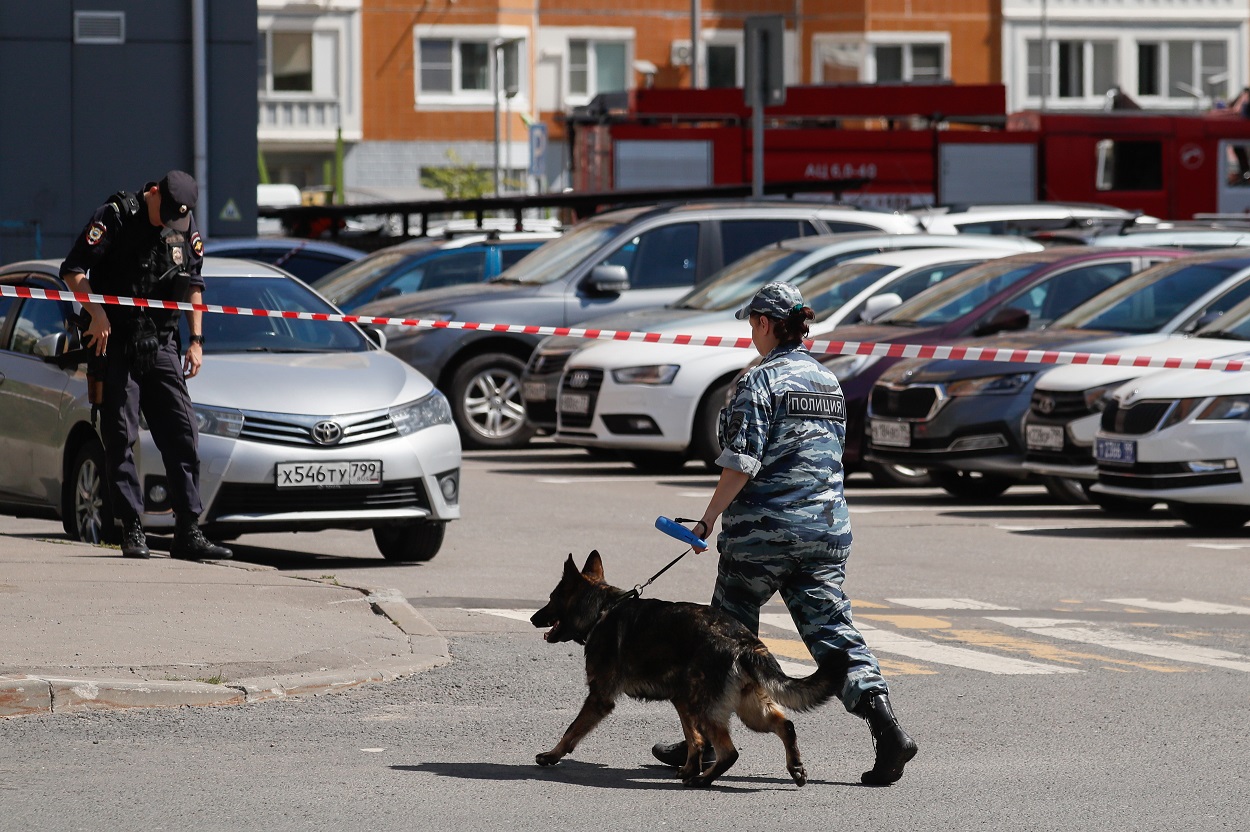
pixel 496 52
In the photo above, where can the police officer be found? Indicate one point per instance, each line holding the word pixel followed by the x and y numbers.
pixel 146 245
pixel 785 525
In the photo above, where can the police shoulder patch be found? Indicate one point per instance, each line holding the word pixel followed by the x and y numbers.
pixel 197 244
pixel 95 233
pixel 816 405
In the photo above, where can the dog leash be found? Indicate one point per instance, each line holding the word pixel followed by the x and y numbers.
pixel 636 592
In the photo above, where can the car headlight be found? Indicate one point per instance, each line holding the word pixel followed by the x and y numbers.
pixel 1181 410
pixel 653 374
pixel 989 385
pixel 421 414
pixel 215 421
pixel 848 366
pixel 1225 407
pixel 393 331
pixel 1097 398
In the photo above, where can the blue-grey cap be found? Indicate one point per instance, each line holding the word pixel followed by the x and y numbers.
pixel 773 300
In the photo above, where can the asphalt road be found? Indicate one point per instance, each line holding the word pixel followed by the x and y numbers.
pixel 1060 669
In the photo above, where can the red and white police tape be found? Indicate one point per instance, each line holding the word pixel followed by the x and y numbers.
pixel 835 347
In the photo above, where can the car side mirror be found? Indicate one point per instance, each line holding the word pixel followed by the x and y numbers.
pixel 388 292
pixel 878 305
pixel 1007 319
pixel 375 334
pixel 608 280
pixel 1209 317
pixel 52 345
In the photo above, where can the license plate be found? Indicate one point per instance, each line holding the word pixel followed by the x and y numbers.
pixel 578 403
pixel 328 474
pixel 1123 451
pixel 891 434
pixel 1044 437
pixel 535 391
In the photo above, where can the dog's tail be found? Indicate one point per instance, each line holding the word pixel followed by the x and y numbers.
pixel 798 694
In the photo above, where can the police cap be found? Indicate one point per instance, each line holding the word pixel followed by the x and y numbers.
pixel 179 193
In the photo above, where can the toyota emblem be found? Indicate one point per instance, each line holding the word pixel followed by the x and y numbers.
pixel 579 378
pixel 327 433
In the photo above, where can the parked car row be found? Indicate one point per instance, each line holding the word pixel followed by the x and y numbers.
pixel 285 407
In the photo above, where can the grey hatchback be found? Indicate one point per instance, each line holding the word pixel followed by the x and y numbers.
pixel 614 262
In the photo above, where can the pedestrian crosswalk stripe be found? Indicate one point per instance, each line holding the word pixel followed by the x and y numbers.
pixel 1087 632
pixel 947 604
pixel 1183 605
pixel 515 615
pixel 886 641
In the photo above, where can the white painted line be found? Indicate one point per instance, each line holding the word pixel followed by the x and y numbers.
pixel 885 641
pixel 795 669
pixel 1086 632
pixel 1220 546
pixel 515 615
pixel 892 509
pixel 1183 605
pixel 947 604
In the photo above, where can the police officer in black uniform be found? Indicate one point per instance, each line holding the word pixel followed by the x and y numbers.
pixel 146 245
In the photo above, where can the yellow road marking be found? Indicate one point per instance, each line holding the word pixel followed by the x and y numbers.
pixel 793 649
pixel 910 622
pixel 1045 651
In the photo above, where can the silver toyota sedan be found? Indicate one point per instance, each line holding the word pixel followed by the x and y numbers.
pixel 304 425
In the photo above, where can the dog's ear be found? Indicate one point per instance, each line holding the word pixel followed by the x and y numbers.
pixel 593 569
pixel 570 567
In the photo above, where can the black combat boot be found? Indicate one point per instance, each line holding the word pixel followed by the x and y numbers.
pixel 894 747
pixel 674 754
pixel 134 541
pixel 190 543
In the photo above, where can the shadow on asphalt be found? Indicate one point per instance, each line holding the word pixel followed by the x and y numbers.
pixel 601 776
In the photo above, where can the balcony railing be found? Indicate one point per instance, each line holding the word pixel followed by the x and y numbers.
pixel 306 118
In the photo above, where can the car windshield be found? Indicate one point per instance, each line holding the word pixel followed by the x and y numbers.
pixel 552 260
pixel 354 278
pixel 958 296
pixel 736 283
pixel 253 333
pixel 830 290
pixel 1148 300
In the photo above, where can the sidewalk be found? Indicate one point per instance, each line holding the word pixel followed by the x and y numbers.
pixel 84 628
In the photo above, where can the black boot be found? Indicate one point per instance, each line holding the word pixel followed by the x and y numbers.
pixel 134 541
pixel 190 544
pixel 894 747
pixel 674 754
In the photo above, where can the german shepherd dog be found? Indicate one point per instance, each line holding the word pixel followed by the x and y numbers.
pixel 702 660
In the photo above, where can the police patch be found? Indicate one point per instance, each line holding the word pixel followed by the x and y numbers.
pixel 197 245
pixel 816 405
pixel 95 233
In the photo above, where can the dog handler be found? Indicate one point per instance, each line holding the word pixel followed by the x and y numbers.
pixel 785 525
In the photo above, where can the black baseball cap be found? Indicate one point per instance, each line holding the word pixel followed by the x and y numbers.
pixel 179 193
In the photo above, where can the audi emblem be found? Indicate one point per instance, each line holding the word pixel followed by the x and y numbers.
pixel 579 378
pixel 1046 405
pixel 327 433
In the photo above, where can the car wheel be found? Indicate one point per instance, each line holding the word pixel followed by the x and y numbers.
pixel 1066 491
pixel 487 404
pixel 656 462
pixel 704 443
pixel 972 485
pixel 410 542
pixel 87 507
pixel 893 475
pixel 1214 518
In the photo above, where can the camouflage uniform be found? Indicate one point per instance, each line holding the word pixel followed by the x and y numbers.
pixel 788 530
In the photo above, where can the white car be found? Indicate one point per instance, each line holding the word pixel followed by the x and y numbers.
pixel 1067 401
pixel 658 403
pixel 1181 437
pixel 303 425
pixel 1031 218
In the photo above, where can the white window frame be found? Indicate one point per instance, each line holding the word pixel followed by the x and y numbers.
pixel 322 89
pixel 865 44
pixel 724 37
pixel 561 49
pixel 469 99
pixel 1170 96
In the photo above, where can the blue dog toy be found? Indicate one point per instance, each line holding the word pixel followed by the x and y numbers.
pixel 680 532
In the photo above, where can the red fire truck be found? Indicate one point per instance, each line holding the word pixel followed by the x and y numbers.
pixel 920 145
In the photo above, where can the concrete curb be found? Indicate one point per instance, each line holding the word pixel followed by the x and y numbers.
pixel 29 695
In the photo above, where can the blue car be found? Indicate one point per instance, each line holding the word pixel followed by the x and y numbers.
pixel 309 260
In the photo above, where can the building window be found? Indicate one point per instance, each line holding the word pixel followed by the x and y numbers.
pixel 722 64
pixel 453 65
pixel 596 67
pixel 921 63
pixel 1075 69
pixel 299 62
pixel 1183 69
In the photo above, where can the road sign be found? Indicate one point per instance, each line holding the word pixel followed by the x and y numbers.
pixel 538 149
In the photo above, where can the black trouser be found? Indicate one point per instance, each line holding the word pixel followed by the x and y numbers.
pixel 161 393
